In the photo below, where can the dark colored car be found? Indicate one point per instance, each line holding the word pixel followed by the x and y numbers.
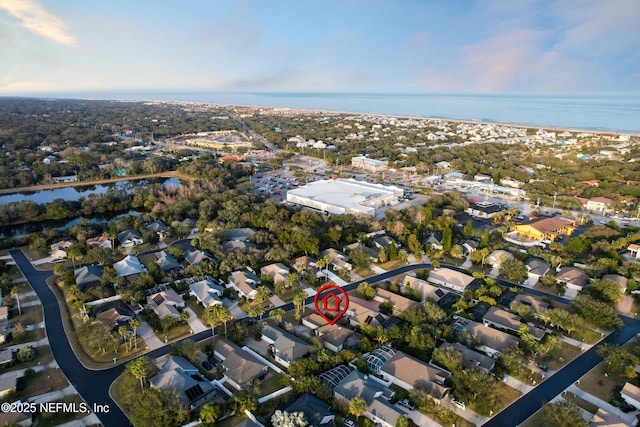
pixel 626 407
pixel 542 366
pixel 206 365
pixel 214 360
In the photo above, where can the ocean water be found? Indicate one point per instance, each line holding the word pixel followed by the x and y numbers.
pixel 618 112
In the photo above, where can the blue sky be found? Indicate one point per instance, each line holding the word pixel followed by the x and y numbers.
pixel 482 46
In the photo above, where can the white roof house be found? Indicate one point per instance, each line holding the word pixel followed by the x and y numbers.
pixel 129 266
pixel 450 278
pixel 206 292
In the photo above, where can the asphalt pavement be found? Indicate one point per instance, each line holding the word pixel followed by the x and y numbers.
pixel 93 385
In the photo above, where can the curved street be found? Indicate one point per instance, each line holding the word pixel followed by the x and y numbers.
pixel 93 385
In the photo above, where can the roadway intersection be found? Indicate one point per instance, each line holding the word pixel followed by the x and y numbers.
pixel 93 385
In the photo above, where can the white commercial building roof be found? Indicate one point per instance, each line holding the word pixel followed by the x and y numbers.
pixel 342 196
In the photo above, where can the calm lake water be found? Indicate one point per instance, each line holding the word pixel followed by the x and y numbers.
pixel 75 193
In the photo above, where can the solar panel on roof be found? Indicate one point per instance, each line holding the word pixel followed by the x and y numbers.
pixel 158 299
pixel 194 392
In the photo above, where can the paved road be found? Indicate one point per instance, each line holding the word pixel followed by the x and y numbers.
pixel 86 380
pixel 93 385
pixel 523 408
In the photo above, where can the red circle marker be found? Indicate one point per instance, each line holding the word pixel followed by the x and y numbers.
pixel 335 302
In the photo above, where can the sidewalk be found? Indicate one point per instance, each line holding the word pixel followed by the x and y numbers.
pixel 29 304
pixel 582 346
pixel 89 420
pixel 43 341
pixel 53 395
pixel 517 384
pixel 629 418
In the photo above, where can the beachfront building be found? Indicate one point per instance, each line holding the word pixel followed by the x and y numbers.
pixel 371 165
pixel 344 196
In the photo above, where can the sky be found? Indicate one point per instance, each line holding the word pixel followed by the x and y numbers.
pixel 422 46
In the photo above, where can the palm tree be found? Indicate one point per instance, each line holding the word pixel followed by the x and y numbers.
pixel 123 332
pixel 139 369
pixel 357 407
pixel 184 315
pixel 323 262
pixel 210 413
pixel 135 324
pixel 224 315
pixel 167 322
pixel 262 293
pixel 278 314
pixel 15 293
pixel 298 301
pixel 111 233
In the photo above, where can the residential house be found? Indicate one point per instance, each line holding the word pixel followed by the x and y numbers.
pixel 599 204
pixel 245 283
pixel 240 366
pixel 314 321
pixel 536 266
pixel 114 314
pixel 317 412
pixel 7 384
pixel 337 259
pixel 604 418
pixel 433 239
pixel 483 209
pixel 236 245
pixel 166 303
pixel 503 319
pixel 167 262
pixel 373 254
pixel 362 312
pixel 544 228
pixel 379 410
pixel 385 242
pixel 87 277
pixel 631 394
pixel 634 250
pixel 408 372
pixel 426 290
pixel 59 249
pixel 619 280
pixel 284 346
pixel 532 301
pixel 130 238
pixel 129 267
pixel 197 257
pixel 451 279
pixel 497 257
pixel 572 277
pixel 206 292
pixel 399 302
pixel 277 272
pixel 469 245
pixel 239 234
pixel 99 242
pixel 158 227
pixel 335 337
pixel 179 374
pixel 305 264
pixel 470 358
pixel 489 340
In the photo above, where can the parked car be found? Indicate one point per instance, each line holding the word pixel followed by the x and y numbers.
pixel 626 407
pixel 407 404
pixel 206 365
pixel 348 422
pixel 214 360
pixel 542 366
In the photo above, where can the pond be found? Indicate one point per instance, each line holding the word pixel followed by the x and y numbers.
pixel 76 193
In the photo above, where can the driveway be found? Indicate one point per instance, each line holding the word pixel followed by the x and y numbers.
pixel 146 333
pixel 194 323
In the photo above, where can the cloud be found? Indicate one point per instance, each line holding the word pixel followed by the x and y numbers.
pixel 33 17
